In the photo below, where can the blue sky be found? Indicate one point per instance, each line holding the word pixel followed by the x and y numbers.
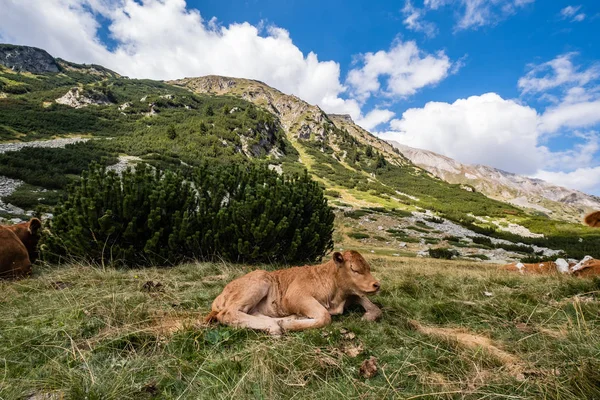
pixel 510 83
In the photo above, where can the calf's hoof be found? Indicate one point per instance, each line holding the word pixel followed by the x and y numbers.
pixel 372 316
pixel 276 330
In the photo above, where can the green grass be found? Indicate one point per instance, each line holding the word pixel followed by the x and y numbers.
pixel 83 332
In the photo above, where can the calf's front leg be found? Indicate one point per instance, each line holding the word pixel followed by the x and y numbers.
pixel 372 312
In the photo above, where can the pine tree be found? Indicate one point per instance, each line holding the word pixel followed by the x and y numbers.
pixel 171 132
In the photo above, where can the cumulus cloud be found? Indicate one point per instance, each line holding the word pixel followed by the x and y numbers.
pixel 575 115
pixel 584 179
pixel 405 67
pixel 573 91
pixel 510 135
pixel 375 118
pixel 162 39
pixel 484 129
pixel 572 13
pixel 502 133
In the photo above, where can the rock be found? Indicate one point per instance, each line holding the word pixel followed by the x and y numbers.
pixel 124 163
pixel 9 208
pixel 7 187
pixel 27 59
pixel 562 265
pixel 77 99
pixel 53 143
pixel 276 168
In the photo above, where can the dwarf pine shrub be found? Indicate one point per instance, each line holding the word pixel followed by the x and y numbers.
pixel 148 217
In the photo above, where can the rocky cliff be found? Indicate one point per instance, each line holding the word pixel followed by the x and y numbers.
pixel 27 59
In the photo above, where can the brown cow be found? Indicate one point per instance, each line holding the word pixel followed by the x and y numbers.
pixel 593 219
pixel 297 298
pixel 28 233
pixel 18 248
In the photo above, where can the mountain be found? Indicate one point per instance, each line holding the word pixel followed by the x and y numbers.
pixel 524 192
pixel 27 59
pixel 53 124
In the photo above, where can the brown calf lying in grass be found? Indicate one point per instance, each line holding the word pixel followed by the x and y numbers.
pixel 18 248
pixel 297 298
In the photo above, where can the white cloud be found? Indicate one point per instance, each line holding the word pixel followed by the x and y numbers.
pixel 584 179
pixel 572 13
pixel 435 4
pixel 575 115
pixel 406 68
pixel 413 19
pixel 573 91
pixel 163 39
pixel 478 13
pixel 62 27
pixel 581 155
pixel 502 133
pixel 375 118
pixel 484 129
pixel 471 14
pixel 510 135
pixel 557 72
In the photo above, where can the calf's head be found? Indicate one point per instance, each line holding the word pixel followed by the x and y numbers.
pixel 355 272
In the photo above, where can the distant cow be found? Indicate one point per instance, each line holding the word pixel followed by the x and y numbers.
pixel 297 298
pixel 542 268
pixel 593 219
pixel 18 248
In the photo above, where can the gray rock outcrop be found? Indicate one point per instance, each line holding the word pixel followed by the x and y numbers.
pixel 27 59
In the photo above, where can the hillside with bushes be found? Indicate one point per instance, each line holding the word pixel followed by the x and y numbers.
pixel 217 121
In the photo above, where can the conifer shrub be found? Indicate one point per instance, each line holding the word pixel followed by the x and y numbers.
pixel 150 217
pixel 253 214
pixel 443 253
pixel 143 217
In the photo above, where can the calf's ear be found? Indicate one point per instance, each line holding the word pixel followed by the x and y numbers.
pixel 338 258
pixel 34 226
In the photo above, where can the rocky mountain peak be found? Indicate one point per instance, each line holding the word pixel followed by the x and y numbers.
pixel 344 117
pixel 521 191
pixel 27 59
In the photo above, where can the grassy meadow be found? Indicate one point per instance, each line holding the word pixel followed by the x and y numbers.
pixel 450 329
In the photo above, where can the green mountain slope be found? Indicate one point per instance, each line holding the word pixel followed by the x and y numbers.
pixel 227 120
